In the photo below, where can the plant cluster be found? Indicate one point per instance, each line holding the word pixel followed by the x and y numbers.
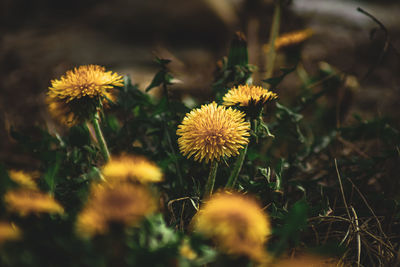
pixel 144 181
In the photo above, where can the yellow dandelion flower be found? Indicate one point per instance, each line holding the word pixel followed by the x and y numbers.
pixel 122 203
pixel 132 168
pixel 23 179
pixel 290 39
pixel 212 132
pixel 248 95
pixel 8 232
pixel 186 251
pixel 26 201
pixel 307 261
pixel 236 223
pixel 76 95
pixel 90 223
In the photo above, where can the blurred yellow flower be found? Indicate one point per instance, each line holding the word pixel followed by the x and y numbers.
pixel 236 223
pixel 8 232
pixel 290 39
pixel 186 251
pixel 22 178
pixel 121 203
pixel 26 201
pixel 307 261
pixel 90 222
pixel 132 168
pixel 248 95
pixel 212 132
pixel 77 94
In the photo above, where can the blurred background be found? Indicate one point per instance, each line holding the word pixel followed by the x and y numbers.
pixel 42 39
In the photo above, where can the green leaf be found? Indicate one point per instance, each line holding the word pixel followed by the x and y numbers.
pixel 279 173
pixel 161 235
pixel 162 62
pixel 266 172
pixel 264 130
pixel 161 77
pixel 51 175
pixel 158 79
pixel 284 112
pixel 274 81
pixel 238 55
pixel 294 223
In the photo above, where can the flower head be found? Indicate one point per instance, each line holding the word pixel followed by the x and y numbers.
pixel 8 232
pixel 236 223
pixel 132 168
pixel 26 201
pixel 307 261
pixel 124 204
pixel 77 94
pixel 247 95
pixel 186 251
pixel 290 39
pixel 212 132
pixel 23 179
pixel 90 222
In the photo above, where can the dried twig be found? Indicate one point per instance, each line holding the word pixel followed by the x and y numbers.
pixel 369 207
pixel 357 229
pixel 385 46
pixel 342 191
pixel 352 146
pixel 170 208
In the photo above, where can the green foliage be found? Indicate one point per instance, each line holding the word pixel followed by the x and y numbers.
pixel 288 167
pixel 275 81
pixel 235 69
pixel 294 222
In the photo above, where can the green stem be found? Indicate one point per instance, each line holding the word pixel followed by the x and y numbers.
pixel 169 139
pixel 175 157
pixel 238 166
pixel 272 37
pixel 100 137
pixel 211 179
pixel 254 126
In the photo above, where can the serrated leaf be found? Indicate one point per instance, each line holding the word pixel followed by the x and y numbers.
pixel 238 55
pixel 285 111
pixel 157 80
pixel 266 172
pixel 263 128
pixel 274 81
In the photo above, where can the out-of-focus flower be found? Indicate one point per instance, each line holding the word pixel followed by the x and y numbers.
pixel 132 168
pixel 22 178
pixel 186 251
pixel 212 132
pixel 76 96
pixel 307 261
pixel 27 201
pixel 122 203
pixel 290 39
pixel 236 223
pixel 8 232
pixel 90 222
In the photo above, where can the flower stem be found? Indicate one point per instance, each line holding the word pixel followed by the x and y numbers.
pixel 272 37
pixel 238 166
pixel 100 137
pixel 169 139
pixel 211 179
